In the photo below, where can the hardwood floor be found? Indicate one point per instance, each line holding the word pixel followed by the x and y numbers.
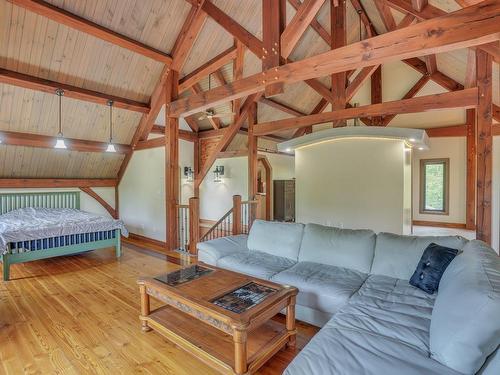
pixel 79 315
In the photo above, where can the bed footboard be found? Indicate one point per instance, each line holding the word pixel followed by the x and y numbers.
pixel 9 259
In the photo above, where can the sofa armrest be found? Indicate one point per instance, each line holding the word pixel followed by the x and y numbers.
pixel 211 251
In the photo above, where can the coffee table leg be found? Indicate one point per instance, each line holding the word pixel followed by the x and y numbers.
pixel 290 322
pixel 145 309
pixel 240 351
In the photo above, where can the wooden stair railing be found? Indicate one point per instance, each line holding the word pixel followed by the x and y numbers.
pixel 237 220
pixel 188 226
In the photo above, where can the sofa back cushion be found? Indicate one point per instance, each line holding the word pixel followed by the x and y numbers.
pixel 348 248
pixel 275 238
pixel 397 255
pixel 465 324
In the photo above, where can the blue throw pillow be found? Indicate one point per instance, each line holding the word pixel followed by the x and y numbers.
pixel 431 267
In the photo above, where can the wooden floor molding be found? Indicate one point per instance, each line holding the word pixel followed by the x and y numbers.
pixel 80 315
pixel 438 224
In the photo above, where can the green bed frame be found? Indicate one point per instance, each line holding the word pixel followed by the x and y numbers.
pixel 66 199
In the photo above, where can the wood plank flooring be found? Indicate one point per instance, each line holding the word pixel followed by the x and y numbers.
pixel 79 315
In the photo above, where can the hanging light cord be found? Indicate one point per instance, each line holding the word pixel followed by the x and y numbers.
pixel 60 93
pixel 110 103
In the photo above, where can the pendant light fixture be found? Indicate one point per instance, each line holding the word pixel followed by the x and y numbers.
pixel 111 146
pixel 60 139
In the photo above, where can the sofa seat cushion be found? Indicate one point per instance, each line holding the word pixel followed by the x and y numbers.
pixel 335 351
pixel 211 251
pixel 397 256
pixel 321 287
pixel 349 248
pixel 390 308
pixel 255 263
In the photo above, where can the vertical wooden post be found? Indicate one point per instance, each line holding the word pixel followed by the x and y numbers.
pixel 171 162
pixel 194 224
pixel 196 166
pixel 484 145
pixel 376 93
pixel 338 39
pixel 470 206
pixel 252 162
pixel 236 214
pixel 471 139
pixel 271 33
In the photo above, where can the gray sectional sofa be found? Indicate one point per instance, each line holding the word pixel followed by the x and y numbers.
pixel 354 284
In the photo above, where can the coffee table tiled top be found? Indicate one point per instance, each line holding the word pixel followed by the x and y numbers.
pixel 222 317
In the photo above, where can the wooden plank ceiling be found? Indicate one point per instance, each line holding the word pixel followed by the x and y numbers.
pixel 34 45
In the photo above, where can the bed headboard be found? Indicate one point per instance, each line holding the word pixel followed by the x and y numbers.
pixel 62 199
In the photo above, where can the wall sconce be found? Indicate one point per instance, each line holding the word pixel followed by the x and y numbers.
pixel 218 172
pixel 188 173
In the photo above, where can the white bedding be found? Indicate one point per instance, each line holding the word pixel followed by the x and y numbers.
pixel 35 223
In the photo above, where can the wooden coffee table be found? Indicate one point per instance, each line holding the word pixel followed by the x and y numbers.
pixel 228 341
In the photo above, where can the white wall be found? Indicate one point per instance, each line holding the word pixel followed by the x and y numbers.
pixel 216 198
pixel 352 183
pixel 142 190
pixel 283 166
pixel 453 148
pixel 87 203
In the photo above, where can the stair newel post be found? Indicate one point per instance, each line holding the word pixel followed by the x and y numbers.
pixel 236 214
pixel 194 224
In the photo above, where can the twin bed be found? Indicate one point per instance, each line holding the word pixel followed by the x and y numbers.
pixel 44 225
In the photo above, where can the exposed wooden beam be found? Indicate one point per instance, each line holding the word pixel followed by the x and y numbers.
pixel 208 68
pixel 338 23
pixel 272 24
pixel 448 131
pixel 496 112
pixel 214 121
pixel 45 141
pixel 252 153
pixel 320 107
pixel 370 30
pixel 457 99
pixel 376 93
pixel 431 64
pixel 314 22
pixel 299 23
pixel 99 199
pixel 405 6
pixel 281 107
pixel 409 94
pixel 156 102
pixel 35 183
pixel 39 84
pixel 160 141
pixel 227 137
pixel 192 123
pixel 416 40
pixel 385 14
pixel 219 133
pixel 171 163
pixel 418 5
pixel 363 75
pixel 484 146
pixel 234 28
pixel 238 65
pixel 429 12
pixel 75 22
pixel 471 171
pixel 187 36
pixel 147 120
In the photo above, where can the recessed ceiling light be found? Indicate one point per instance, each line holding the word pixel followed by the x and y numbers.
pixel 412 139
pixel 420 148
